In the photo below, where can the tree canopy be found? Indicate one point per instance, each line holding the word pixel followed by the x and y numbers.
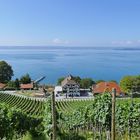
pixel 6 72
pixel 86 83
pixel 130 84
pixel 99 81
pixel 25 79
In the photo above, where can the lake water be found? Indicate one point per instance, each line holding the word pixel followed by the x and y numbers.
pixel 53 62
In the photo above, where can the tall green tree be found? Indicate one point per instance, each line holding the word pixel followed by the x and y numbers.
pixel 6 72
pixel 17 83
pixel 127 83
pixel 86 83
pixel 25 79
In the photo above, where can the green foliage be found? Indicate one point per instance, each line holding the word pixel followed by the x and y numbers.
pixel 75 118
pixel 97 115
pixel 130 84
pixel 15 122
pixel 113 81
pixel 99 81
pixel 25 79
pixel 6 72
pixel 126 84
pixel 77 79
pixel 11 85
pixel 31 107
pixel 60 80
pixel 86 83
pixel 97 112
pixel 17 83
pixel 47 121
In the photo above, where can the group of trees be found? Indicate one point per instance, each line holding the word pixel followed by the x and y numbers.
pixel 130 84
pixel 6 73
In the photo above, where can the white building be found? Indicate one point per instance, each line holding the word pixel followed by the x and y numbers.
pixel 58 90
pixel 70 87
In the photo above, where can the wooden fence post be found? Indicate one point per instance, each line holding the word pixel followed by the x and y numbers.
pixel 53 116
pixel 113 114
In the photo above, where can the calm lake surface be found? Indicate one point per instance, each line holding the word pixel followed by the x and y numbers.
pixel 53 62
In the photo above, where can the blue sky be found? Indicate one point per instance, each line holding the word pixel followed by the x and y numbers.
pixel 70 22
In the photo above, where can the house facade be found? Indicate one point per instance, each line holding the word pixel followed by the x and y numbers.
pixel 70 87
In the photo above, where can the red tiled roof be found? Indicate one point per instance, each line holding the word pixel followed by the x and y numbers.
pixel 2 85
pixel 106 87
pixel 26 86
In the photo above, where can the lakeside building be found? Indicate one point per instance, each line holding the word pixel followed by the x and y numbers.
pixel 70 87
pixel 29 86
pixel 103 87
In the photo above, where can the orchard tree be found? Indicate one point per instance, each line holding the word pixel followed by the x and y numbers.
pixel 25 79
pixel 6 72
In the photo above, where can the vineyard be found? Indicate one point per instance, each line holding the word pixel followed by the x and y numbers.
pixel 75 119
pixel 27 105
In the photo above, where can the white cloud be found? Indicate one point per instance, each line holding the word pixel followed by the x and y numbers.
pixel 129 42
pixel 59 41
pixel 126 42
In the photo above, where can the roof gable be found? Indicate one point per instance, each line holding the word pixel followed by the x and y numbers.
pixel 26 86
pixel 68 80
pixel 106 87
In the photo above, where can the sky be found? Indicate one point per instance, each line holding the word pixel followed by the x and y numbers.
pixel 70 22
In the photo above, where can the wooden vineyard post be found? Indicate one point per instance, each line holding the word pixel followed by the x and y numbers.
pixel 113 114
pixel 53 117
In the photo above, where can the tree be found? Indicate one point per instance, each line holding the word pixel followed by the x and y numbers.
pixel 136 84
pixel 77 79
pixel 86 83
pixel 11 85
pixel 6 72
pixel 99 81
pixel 113 81
pixel 60 80
pixel 25 79
pixel 17 83
pixel 127 83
